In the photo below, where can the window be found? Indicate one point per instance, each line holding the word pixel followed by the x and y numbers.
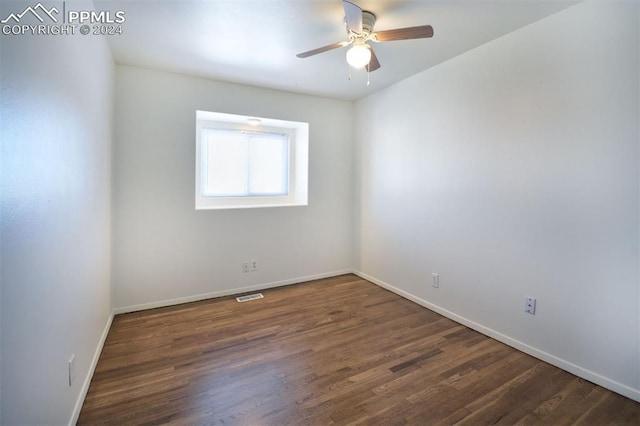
pixel 240 165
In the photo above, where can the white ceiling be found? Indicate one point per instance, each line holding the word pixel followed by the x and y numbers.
pixel 255 42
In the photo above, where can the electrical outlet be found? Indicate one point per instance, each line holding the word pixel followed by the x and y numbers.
pixel 246 267
pixel 435 280
pixel 254 265
pixel 530 305
pixel 71 369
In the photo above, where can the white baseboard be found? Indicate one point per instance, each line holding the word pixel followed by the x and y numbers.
pixel 92 368
pixel 605 382
pixel 229 292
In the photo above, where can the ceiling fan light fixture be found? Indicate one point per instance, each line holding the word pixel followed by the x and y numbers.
pixel 359 55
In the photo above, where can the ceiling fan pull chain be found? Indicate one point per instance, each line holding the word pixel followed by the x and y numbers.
pixel 368 74
pixel 349 71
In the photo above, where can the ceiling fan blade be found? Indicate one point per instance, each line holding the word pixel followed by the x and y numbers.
pixel 323 49
pixel 423 31
pixel 373 62
pixel 352 16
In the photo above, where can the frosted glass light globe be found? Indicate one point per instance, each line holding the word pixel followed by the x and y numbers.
pixel 358 56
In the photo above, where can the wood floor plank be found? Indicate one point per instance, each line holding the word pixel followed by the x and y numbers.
pixel 338 351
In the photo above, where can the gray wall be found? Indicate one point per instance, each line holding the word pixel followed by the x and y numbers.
pixel 166 250
pixel 55 218
pixel 512 170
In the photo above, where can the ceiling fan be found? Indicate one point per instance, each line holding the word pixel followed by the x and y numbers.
pixel 359 25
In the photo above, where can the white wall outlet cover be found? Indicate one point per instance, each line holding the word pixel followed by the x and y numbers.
pixel 530 305
pixel 71 369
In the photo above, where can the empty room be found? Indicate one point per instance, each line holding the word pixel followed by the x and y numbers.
pixel 321 212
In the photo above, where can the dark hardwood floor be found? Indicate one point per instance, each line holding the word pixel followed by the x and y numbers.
pixel 334 351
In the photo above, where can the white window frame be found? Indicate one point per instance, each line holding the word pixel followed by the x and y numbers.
pixel 298 160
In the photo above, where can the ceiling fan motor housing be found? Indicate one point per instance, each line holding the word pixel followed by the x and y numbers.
pixel 368 21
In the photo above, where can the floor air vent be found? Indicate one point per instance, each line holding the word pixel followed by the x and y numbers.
pixel 249 297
